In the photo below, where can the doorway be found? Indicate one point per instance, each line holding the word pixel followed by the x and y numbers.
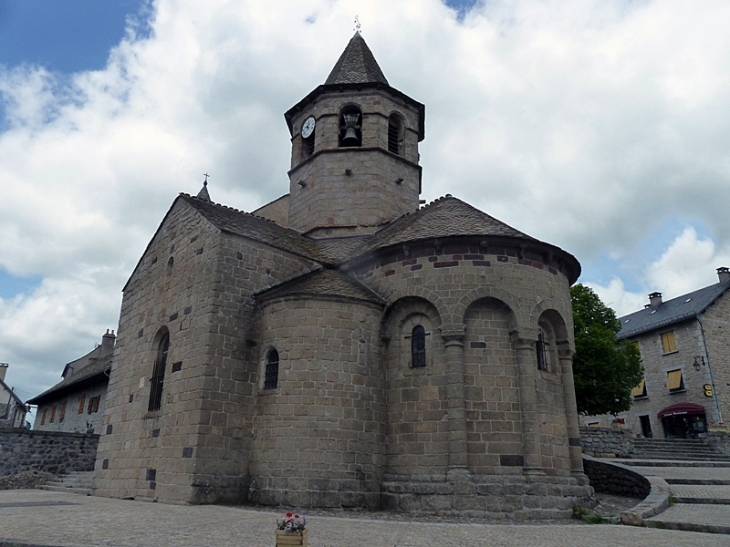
pixel 645 426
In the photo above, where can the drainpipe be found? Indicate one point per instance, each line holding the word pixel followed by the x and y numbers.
pixel 709 367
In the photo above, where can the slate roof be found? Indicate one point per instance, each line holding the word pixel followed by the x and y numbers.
pixel 445 217
pixel 94 372
pixel 356 65
pixel 324 283
pixel 672 311
pixel 256 228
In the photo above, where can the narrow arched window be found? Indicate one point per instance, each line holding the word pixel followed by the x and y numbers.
pixel 541 348
pixel 350 125
pixel 158 373
pixel 271 378
pixel 395 138
pixel 418 347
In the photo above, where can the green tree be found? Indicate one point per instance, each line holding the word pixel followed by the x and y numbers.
pixel 605 370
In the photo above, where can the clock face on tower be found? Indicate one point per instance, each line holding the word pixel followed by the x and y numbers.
pixel 308 127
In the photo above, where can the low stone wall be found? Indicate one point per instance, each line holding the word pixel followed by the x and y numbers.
pixel 616 479
pixel 607 442
pixel 720 441
pixel 30 455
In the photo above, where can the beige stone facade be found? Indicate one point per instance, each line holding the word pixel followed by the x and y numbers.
pixel 684 346
pixel 353 351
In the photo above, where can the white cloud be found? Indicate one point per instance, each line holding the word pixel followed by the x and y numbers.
pixel 584 123
pixel 689 263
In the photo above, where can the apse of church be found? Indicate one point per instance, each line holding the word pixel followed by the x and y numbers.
pixel 343 346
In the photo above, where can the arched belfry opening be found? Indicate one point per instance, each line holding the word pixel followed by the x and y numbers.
pixel 395 134
pixel 350 126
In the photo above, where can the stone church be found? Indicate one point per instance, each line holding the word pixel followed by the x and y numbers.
pixel 343 346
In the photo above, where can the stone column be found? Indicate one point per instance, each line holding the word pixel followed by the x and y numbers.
pixel 565 353
pixel 453 337
pixel 524 344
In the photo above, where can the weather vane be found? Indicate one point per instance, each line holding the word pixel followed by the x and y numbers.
pixel 358 26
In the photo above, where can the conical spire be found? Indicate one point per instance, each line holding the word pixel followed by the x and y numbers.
pixel 203 194
pixel 356 65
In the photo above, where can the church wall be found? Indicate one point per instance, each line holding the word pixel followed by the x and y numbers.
pixel 491 392
pixel 367 198
pixel 227 427
pixel 319 435
pixel 417 424
pixel 141 453
pixel 193 448
pixel 454 277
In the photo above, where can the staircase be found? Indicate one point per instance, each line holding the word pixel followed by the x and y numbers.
pixel 676 449
pixel 76 482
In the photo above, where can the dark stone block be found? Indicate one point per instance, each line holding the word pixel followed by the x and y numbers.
pixel 187 452
pixel 511 460
pixel 177 366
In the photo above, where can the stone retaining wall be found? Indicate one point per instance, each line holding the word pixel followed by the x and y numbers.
pixel 607 442
pixel 720 441
pixel 35 453
pixel 616 479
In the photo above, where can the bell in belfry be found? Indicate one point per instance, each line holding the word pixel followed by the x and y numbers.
pixel 350 127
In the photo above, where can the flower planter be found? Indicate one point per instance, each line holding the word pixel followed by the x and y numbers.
pixel 291 539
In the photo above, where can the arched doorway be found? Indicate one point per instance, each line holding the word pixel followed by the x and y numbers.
pixel 683 421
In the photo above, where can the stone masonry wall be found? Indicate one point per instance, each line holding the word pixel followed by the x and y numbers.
pixel 319 436
pixel 607 442
pixel 23 451
pixel 452 276
pixel 716 324
pixel 196 284
pixel 616 479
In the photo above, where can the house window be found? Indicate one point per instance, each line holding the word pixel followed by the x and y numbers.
pixel 639 391
pixel 669 343
pixel 82 402
pixel 350 124
pixel 158 373
pixel 308 146
pixel 43 416
pixel 271 377
pixel 94 404
pixel 62 412
pixel 541 349
pixel 418 347
pixel 395 139
pixel 675 381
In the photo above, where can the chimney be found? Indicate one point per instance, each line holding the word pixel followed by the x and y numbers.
pixel 655 299
pixel 723 273
pixel 107 343
pixel 3 370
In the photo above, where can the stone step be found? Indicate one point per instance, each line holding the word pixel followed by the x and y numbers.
pixel 712 518
pixel 637 462
pixel 66 489
pixel 76 482
pixel 714 494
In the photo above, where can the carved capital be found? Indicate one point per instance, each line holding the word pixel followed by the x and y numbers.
pixel 453 333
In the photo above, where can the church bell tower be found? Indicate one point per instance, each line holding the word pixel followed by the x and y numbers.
pixel 354 163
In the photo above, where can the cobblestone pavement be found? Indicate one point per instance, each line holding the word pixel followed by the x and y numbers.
pixel 35 517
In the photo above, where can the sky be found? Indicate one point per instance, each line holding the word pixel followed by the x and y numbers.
pixel 598 126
